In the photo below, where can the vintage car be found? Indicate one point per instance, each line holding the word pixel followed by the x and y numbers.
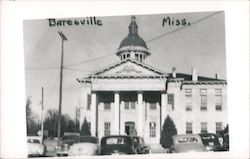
pixel 141 147
pixel 211 142
pixel 62 149
pixel 86 145
pixel 117 145
pixel 35 146
pixel 187 143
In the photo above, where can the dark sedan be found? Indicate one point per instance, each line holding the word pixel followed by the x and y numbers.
pixel 117 145
pixel 211 142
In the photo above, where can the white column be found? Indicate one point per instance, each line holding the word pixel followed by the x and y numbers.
pixel 140 122
pixel 163 107
pixel 93 114
pixel 116 114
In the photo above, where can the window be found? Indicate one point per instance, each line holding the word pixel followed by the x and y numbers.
pixel 152 129
pixel 88 101
pixel 203 127
pixel 188 95
pixel 218 102
pixel 136 57
pixel 126 105
pixel 218 127
pixel 124 56
pixel 152 106
pixel 218 99
pixel 140 57
pixel 189 129
pixel 106 128
pixel 203 102
pixel 129 105
pixel 203 93
pixel 218 91
pixel 107 106
pixel 89 126
pixel 171 100
pixel 132 105
pixel 128 55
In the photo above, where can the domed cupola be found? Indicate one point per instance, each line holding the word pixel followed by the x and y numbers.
pixel 133 46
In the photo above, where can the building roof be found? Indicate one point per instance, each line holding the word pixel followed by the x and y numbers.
pixel 119 63
pixel 188 77
pixel 133 39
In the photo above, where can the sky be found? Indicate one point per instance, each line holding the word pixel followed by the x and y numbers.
pixel 91 47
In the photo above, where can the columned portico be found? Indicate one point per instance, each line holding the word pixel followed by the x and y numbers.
pixel 117 113
pixel 140 122
pixel 93 113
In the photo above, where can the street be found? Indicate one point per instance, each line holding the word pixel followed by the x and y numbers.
pixel 51 145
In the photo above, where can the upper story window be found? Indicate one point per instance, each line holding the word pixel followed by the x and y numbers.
pixel 129 105
pixel 106 99
pixel 203 94
pixel 152 106
pixel 188 98
pixel 107 106
pixel 218 99
pixel 171 100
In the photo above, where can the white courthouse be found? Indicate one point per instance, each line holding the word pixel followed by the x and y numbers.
pixel 130 94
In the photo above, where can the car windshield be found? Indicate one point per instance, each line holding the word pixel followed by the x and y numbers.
pixel 88 139
pixel 33 141
pixel 115 141
pixel 206 139
pixel 188 140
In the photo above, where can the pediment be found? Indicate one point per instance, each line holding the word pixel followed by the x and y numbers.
pixel 128 67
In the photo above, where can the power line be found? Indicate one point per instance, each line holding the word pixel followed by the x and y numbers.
pixel 41 68
pixel 184 27
pixel 148 41
pixel 76 69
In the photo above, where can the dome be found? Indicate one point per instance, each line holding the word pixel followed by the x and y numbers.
pixel 134 40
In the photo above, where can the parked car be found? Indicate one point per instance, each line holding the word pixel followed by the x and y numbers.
pixel 187 143
pixel 141 147
pixel 86 145
pixel 117 145
pixel 211 142
pixel 62 149
pixel 35 146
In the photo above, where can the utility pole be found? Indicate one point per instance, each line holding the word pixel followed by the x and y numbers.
pixel 60 90
pixel 42 115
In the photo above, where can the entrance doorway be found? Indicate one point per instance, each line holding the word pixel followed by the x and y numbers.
pixel 130 128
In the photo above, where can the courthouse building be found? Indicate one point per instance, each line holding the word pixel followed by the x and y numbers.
pixel 131 95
